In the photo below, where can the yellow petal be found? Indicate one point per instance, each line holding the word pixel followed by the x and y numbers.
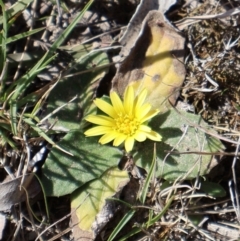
pixel 128 100
pixel 105 107
pixel 149 115
pixel 100 120
pixel 129 142
pixel 141 98
pixel 154 136
pixel 108 137
pixel 141 112
pixel 116 102
pixel 140 136
pixel 99 130
pixel 144 128
pixel 119 139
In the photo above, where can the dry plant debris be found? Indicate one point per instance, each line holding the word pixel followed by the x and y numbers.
pixel 213 64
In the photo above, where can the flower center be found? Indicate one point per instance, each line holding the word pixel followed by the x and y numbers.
pixel 126 124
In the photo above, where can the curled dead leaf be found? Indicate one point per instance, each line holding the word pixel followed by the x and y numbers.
pixel 13 192
pixel 154 63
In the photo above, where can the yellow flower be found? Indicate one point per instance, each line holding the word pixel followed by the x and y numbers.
pixel 125 120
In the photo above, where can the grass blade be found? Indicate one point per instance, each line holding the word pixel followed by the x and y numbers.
pixel 46 59
pixel 44 135
pixel 121 224
pixel 18 7
pixel 5 139
pixel 150 222
pixel 157 217
pixel 13 117
pixel 23 35
pixel 144 191
pixel 3 36
pixel 134 231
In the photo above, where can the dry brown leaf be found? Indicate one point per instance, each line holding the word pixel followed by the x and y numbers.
pixel 12 192
pixel 130 36
pixel 154 63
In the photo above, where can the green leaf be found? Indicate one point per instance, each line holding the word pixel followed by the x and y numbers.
pixel 175 132
pixel 92 196
pixel 82 86
pixel 165 185
pixel 213 189
pixel 195 219
pixel 64 173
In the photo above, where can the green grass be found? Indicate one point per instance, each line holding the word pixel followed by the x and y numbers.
pixel 15 118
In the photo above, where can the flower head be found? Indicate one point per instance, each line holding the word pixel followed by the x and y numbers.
pixel 124 120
